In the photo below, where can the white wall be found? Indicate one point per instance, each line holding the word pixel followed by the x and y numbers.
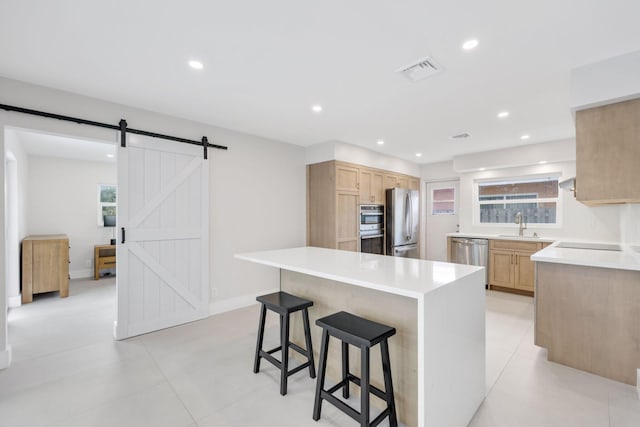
pixel 19 162
pixel 12 145
pixel 62 199
pixel 605 82
pixel 601 223
pixel 335 150
pixel 254 170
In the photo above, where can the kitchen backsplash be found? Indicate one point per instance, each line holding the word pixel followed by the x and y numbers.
pixel 630 223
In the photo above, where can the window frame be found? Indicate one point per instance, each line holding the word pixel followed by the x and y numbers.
pixel 102 204
pixel 476 203
pixel 455 205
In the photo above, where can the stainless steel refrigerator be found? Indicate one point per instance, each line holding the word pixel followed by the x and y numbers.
pixel 402 222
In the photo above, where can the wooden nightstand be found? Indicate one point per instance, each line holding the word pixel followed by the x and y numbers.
pixel 104 256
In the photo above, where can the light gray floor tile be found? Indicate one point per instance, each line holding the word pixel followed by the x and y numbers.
pixel 68 371
pixel 157 406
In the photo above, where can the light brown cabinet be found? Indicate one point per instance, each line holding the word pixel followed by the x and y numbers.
pixel 332 206
pixel 608 153
pixel 104 256
pixel 414 184
pixel 335 191
pixel 371 186
pixel 347 178
pixel 45 265
pixel 510 264
pixel 588 318
pixel 396 181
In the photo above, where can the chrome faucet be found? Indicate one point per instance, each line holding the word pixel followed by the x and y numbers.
pixel 521 223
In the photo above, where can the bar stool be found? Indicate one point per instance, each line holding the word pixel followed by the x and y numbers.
pixel 284 304
pixel 362 333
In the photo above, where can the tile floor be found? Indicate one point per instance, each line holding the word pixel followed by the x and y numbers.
pixel 68 371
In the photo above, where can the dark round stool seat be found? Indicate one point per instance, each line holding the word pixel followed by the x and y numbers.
pixel 284 304
pixel 362 333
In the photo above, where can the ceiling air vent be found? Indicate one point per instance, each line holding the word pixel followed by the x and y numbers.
pixel 460 136
pixel 426 67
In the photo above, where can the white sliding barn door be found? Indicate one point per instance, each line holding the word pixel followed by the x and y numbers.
pixel 162 270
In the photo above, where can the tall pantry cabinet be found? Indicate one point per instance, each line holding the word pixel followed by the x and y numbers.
pixel 332 206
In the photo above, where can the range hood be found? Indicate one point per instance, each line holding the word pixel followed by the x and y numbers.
pixel 568 184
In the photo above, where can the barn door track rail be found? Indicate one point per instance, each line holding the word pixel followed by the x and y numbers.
pixel 121 126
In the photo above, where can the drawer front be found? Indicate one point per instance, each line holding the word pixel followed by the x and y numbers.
pixel 515 245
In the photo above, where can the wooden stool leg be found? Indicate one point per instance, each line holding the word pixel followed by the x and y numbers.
pixel 263 315
pixel 345 369
pixel 307 338
pixel 388 384
pixel 322 369
pixel 284 343
pixel 364 387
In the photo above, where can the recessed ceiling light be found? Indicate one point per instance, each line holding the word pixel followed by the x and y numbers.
pixel 110 156
pixel 380 142
pixel 316 108
pixel 482 169
pixel 196 65
pixel 503 114
pixel 470 44
pixel 418 154
pixel 525 137
pixel 542 162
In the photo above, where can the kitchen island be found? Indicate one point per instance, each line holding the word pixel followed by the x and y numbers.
pixel 438 310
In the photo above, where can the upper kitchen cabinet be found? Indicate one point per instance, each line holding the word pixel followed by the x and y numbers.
pixel 608 153
pixel 347 177
pixel 371 186
pixel 397 181
pixel 414 184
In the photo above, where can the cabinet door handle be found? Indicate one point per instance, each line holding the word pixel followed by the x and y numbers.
pixel 511 258
pixel 517 256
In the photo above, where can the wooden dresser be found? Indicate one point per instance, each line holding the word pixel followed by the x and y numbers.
pixel 45 265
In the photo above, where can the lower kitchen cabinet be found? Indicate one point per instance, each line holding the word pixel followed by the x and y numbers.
pixel 510 264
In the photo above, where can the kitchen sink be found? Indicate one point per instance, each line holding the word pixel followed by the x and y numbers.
pixel 591 246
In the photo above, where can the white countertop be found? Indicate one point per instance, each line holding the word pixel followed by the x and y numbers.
pixel 401 276
pixel 500 237
pixel 627 259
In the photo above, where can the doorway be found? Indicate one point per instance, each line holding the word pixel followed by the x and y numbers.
pixel 52 189
pixel 442 217
pixel 12 247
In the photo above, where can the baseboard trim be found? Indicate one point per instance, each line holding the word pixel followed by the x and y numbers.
pixel 81 274
pixel 13 302
pixel 217 307
pixel 5 358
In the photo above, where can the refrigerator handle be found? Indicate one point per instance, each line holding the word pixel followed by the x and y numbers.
pixel 410 214
pixel 407 215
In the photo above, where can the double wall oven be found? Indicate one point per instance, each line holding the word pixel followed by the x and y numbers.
pixel 372 229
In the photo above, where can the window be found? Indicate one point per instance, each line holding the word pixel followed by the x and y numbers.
pixel 443 201
pixel 106 202
pixel 536 198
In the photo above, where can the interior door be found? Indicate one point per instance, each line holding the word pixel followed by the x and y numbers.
pixel 162 250
pixel 441 217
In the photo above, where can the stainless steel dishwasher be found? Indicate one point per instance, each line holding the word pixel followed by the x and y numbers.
pixel 471 251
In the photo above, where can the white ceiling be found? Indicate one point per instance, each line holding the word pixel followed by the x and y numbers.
pixel 266 63
pixel 40 144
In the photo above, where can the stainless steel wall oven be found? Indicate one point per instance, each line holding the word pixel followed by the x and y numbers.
pixel 372 229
